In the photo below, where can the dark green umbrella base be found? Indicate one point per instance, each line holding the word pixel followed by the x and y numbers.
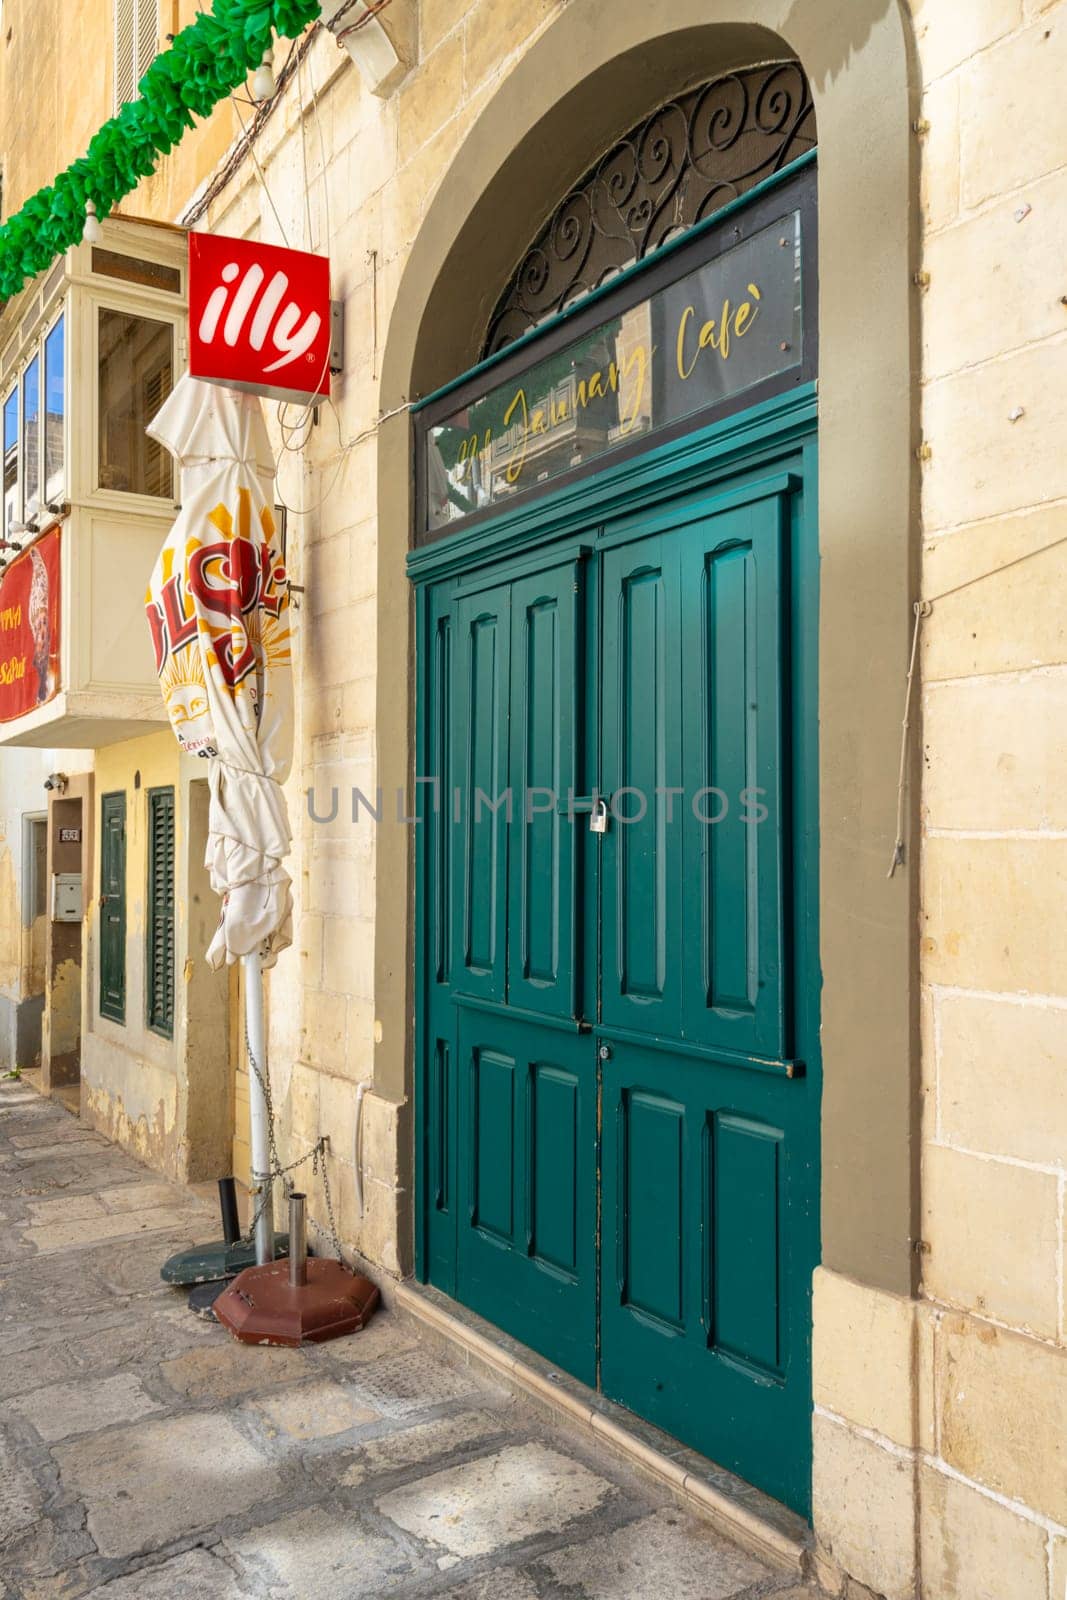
pixel 202 1297
pixel 207 1263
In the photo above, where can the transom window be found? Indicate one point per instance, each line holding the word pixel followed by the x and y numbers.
pixel 681 164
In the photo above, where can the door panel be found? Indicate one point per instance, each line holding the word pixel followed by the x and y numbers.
pixel 436 913
pixel 527 1136
pixel 554 1100
pixel 511 1099
pixel 481 801
pixel 113 906
pixel 545 688
pixel 651 1208
pixel 493 1154
pixel 706 1137
pixel 704 1329
pixel 641 733
pixel 733 675
pixel 746 1265
pixel 648 1223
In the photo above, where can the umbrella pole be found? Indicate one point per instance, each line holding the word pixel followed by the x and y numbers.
pixel 259 1140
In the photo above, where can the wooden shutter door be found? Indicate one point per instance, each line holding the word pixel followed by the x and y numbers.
pixel 147 36
pixel 113 907
pixel 159 934
pixel 125 52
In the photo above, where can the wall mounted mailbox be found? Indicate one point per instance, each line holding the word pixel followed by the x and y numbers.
pixel 66 897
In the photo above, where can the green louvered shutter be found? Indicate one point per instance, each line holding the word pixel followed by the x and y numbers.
pixel 159 953
pixel 113 907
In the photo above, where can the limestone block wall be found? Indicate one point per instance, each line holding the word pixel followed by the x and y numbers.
pixel 370 176
pixel 994 805
pixel 941 1461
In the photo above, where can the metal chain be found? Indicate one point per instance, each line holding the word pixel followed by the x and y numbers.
pixel 316 1155
pixel 319 1165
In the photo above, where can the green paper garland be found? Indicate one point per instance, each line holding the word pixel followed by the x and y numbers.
pixel 205 63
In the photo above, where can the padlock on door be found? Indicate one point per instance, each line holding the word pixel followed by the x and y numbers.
pixel 598 817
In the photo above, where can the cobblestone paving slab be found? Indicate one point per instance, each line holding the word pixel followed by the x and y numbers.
pixel 632 1561
pixel 197 1575
pixel 218 1372
pixel 499 1500
pixel 402 1385
pixel 63 1409
pixel 146 1456
pixel 313 1411
pixel 146 1485
pixel 320 1551
pixel 56 1136
pixel 19 1497
pixel 503 1584
pixel 427 1443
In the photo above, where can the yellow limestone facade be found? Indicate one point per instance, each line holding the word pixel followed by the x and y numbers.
pixel 941 1421
pixel 953 1424
pixel 940 1414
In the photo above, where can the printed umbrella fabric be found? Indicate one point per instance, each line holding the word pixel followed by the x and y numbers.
pixel 218 609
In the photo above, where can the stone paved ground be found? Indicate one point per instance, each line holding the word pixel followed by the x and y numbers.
pixel 146 1456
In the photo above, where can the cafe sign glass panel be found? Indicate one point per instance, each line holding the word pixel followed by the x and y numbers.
pixel 715 337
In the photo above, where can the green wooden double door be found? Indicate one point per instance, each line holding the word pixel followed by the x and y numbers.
pixel 619 1082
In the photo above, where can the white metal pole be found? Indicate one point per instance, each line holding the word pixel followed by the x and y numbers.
pixel 259 1140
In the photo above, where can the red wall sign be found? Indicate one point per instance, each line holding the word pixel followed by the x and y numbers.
pixel 259 317
pixel 29 628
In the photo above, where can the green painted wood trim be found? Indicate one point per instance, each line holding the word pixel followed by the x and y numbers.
pixel 539 1019
pixel 669 467
pixel 716 220
pixel 419 1029
pixel 784 1067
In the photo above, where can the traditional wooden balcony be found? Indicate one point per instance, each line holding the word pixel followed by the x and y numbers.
pixel 92 351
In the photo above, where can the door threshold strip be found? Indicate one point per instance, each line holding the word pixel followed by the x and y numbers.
pixel 744 1514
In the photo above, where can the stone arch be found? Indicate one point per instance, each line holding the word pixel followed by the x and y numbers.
pixel 584 80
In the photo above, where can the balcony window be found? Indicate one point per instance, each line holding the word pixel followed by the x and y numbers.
pixel 54 411
pixel 11 459
pixel 31 436
pixel 136 376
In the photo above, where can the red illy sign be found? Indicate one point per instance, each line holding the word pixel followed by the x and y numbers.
pixel 259 317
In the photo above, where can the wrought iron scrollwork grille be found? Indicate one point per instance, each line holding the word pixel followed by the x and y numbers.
pixel 678 166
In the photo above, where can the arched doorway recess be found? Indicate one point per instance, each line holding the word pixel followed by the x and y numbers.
pixel 864 505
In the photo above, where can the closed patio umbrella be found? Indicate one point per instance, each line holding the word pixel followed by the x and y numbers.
pixel 218 609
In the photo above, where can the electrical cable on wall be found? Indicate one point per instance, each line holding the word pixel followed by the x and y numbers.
pixel 923 609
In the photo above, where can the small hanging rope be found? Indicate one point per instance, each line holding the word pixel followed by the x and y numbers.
pixel 922 609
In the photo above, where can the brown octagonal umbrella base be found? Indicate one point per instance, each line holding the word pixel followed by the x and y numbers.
pixel 261 1306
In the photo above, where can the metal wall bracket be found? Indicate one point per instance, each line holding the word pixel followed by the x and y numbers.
pixel 337 337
